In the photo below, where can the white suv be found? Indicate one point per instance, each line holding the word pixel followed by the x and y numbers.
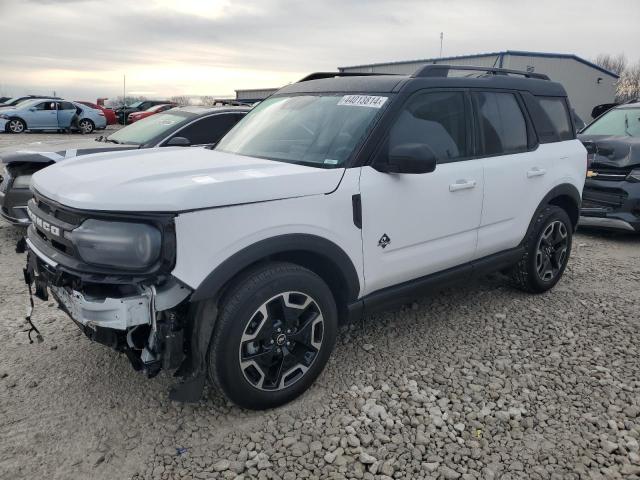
pixel 336 196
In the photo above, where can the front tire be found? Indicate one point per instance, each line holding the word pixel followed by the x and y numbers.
pixel 16 125
pixel 547 249
pixel 275 331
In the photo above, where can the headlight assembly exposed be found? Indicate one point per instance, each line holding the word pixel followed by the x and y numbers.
pixel 22 181
pixel 117 244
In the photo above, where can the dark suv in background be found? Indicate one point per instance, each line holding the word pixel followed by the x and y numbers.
pixel 611 197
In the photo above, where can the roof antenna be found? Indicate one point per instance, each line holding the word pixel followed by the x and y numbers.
pixel 441 37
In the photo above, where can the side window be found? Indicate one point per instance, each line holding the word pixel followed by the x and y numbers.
pixel 209 129
pixel 502 127
pixel 436 119
pixel 41 106
pixel 556 110
pixel 67 106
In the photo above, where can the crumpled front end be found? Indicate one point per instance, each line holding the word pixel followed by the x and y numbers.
pixel 142 314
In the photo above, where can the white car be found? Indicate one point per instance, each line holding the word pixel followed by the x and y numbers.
pixel 336 196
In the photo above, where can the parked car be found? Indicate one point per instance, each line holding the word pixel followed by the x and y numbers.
pixel 178 127
pixel 49 114
pixel 124 112
pixel 135 116
pixel 12 102
pixel 109 114
pixel 611 197
pixel 4 99
pixel 331 198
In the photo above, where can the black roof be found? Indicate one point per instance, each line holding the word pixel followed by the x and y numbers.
pixel 394 83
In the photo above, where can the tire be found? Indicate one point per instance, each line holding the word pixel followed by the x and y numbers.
pixel 288 319
pixel 16 125
pixel 547 250
pixel 86 126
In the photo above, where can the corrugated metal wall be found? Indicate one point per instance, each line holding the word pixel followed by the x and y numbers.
pixel 254 94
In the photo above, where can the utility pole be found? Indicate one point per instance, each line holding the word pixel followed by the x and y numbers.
pixel 441 38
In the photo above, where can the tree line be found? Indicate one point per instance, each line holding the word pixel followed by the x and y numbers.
pixel 628 86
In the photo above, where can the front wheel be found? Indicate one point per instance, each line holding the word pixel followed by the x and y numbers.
pixel 16 125
pixel 275 332
pixel 547 250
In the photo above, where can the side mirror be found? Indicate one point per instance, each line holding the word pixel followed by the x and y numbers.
pixel 32 109
pixel 409 158
pixel 178 142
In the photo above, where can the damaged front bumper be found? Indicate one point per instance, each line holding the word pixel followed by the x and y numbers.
pixel 611 204
pixel 145 321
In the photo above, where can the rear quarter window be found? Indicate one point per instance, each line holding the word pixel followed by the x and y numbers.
pixel 501 123
pixel 556 109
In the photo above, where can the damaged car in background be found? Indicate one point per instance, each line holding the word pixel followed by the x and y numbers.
pixel 180 127
pixel 611 196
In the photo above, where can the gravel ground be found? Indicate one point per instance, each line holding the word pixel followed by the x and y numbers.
pixel 479 382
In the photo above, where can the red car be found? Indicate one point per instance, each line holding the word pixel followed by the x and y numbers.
pixel 135 116
pixel 109 114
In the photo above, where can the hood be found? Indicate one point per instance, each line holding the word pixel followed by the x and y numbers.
pixel 177 179
pixel 614 151
pixel 57 150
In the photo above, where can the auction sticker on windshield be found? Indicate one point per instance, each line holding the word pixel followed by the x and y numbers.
pixel 362 101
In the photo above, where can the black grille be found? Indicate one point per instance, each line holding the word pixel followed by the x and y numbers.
pixel 599 198
pixel 611 174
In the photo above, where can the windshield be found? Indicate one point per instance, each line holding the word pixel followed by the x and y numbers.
pixel 318 130
pixel 148 128
pixel 623 122
pixel 134 105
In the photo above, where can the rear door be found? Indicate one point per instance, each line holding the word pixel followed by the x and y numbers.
pixel 65 113
pixel 518 170
pixel 417 224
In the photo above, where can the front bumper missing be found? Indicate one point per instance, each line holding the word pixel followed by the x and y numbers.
pixel 114 313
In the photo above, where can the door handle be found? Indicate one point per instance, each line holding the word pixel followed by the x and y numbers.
pixel 536 172
pixel 462 185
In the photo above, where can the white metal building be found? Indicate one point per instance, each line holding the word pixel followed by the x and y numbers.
pixel 254 94
pixel 587 84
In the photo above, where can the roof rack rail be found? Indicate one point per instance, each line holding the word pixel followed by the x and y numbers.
pixel 320 75
pixel 439 70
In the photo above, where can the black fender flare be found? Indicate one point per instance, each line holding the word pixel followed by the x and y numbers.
pixel 280 244
pixel 203 302
pixel 562 190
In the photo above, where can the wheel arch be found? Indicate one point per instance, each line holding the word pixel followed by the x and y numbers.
pixel 565 196
pixel 315 253
pixel 17 117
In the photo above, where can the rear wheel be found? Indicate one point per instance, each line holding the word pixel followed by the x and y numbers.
pixel 274 334
pixel 547 250
pixel 16 125
pixel 86 125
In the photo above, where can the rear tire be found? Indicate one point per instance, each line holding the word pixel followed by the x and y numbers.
pixel 547 249
pixel 16 125
pixel 86 126
pixel 275 331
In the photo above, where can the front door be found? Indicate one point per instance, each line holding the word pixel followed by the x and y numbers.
pixel 42 116
pixel 417 224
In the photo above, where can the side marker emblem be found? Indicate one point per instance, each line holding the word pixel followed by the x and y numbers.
pixel 384 241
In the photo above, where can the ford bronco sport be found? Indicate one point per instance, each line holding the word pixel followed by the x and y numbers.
pixel 336 196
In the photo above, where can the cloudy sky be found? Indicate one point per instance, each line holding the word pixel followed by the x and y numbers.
pixel 82 48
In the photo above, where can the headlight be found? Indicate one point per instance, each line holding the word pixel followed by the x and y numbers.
pixel 117 244
pixel 22 181
pixel 634 176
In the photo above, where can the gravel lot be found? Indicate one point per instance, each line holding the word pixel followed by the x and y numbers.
pixel 11 142
pixel 480 382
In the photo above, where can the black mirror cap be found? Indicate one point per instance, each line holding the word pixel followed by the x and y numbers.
pixel 178 142
pixel 410 158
